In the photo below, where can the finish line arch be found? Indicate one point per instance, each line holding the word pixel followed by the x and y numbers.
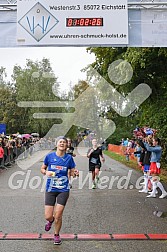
pixel 147 24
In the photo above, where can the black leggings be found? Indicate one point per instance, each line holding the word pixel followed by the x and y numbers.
pixel 50 198
pixel 1 161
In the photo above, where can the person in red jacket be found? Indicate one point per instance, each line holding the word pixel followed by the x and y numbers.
pixel 1 154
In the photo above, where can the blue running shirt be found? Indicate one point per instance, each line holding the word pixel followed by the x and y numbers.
pixel 59 166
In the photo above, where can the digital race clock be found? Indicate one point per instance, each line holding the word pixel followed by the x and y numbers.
pixel 73 22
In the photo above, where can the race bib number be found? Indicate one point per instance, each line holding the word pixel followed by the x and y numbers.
pixel 94 160
pixel 57 182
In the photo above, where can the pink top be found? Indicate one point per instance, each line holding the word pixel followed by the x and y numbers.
pixel 1 152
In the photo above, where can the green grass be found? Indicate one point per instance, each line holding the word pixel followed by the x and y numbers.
pixel 131 164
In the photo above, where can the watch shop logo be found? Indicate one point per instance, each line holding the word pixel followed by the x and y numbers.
pixel 38 21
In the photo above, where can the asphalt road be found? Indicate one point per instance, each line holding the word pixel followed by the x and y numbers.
pixel 116 207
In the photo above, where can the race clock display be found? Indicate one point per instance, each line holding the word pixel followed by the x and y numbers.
pixel 73 22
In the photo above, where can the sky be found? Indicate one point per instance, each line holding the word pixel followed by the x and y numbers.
pixel 66 62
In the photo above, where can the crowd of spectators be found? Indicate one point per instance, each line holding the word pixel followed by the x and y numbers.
pixel 17 146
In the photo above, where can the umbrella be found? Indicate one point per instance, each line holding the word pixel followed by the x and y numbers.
pixel 35 134
pixel 19 136
pixel 14 134
pixel 26 135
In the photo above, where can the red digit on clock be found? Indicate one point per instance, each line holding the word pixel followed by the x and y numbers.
pixel 87 21
pixel 74 22
pixel 99 21
pixel 82 21
pixel 69 22
pixel 94 21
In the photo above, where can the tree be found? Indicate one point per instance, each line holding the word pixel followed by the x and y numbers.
pixel 10 113
pixel 35 82
pixel 149 66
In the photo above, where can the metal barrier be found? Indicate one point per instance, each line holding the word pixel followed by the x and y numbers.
pixel 12 153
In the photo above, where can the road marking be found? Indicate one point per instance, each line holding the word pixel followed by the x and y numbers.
pixel 78 237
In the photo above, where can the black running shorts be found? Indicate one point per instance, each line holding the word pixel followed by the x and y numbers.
pixel 52 197
pixel 92 167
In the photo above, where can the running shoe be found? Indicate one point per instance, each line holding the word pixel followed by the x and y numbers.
pixel 48 225
pixel 94 186
pixel 151 196
pixel 156 192
pixel 97 180
pixel 163 195
pixel 57 240
pixel 143 191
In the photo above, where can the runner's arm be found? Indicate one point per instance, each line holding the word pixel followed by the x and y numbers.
pixel 43 169
pixel 71 173
pixel 89 153
pixel 45 172
pixel 102 156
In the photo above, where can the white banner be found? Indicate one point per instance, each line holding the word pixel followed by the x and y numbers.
pixel 154 27
pixel 64 22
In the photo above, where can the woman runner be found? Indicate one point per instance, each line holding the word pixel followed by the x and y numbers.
pixel 57 167
pixel 94 154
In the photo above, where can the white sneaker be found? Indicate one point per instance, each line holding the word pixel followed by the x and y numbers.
pixel 142 183
pixel 163 195
pixel 155 192
pixel 143 191
pixel 151 196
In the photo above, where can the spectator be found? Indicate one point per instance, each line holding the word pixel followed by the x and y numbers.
pixel 127 153
pixel 146 164
pixel 126 142
pixel 155 168
pixel 1 154
pixel 137 153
